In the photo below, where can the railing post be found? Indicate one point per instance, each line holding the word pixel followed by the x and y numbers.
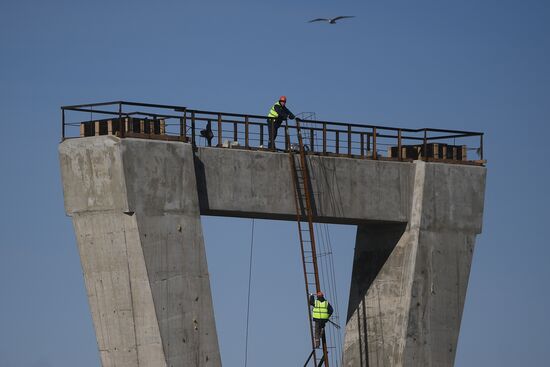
pixel 362 137
pixel 481 146
pixel 287 141
pixel 399 155
pixel 193 129
pixel 337 134
pixel 184 125
pixel 246 131
pixel 271 132
pixel 261 135
pixel 235 132
pixel 425 155
pixel 349 140
pixel 368 142
pixel 311 139
pixel 62 124
pixel 324 138
pixel 220 137
pixel 374 153
pixel 120 123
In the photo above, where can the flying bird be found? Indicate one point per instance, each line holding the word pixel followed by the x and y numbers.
pixel 331 20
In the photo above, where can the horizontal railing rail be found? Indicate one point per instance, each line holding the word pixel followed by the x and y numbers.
pixel 249 131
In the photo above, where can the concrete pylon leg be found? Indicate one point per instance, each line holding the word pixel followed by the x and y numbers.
pixel 409 280
pixel 142 251
pixel 377 302
pixel 119 292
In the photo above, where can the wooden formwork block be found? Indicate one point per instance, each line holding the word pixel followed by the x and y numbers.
pixel 110 127
pixel 393 152
pixel 151 127
pixel 436 151
pixel 454 153
pixel 141 126
pixel 96 128
pixel 162 124
pixel 82 129
pixel 464 158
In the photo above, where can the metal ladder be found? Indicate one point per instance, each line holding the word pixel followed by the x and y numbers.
pixel 302 195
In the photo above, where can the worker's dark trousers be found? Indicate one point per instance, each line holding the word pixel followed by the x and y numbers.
pixel 272 127
pixel 319 328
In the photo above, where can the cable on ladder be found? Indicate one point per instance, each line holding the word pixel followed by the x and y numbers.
pixel 324 257
pixel 249 287
pixel 302 190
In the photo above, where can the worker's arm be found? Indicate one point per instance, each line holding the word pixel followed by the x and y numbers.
pixel 290 114
pixel 312 300
pixel 284 112
pixel 330 310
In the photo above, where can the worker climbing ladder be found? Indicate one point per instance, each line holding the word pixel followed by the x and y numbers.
pixel 303 201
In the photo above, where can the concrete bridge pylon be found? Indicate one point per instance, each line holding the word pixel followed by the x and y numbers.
pixel 136 207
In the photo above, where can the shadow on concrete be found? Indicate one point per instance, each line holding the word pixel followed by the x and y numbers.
pixel 201 184
pixel 373 246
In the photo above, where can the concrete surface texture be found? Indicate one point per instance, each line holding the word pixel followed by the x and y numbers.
pixel 257 184
pixel 409 280
pixel 136 207
pixel 136 215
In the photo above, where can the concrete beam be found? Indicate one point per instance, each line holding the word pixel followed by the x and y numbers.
pixel 258 184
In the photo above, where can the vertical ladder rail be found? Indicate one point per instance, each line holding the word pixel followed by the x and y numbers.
pixel 297 201
pixel 301 190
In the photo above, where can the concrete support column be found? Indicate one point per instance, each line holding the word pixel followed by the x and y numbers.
pixel 118 289
pixel 135 210
pixel 409 280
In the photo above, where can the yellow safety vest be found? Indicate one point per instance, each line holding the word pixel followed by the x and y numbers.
pixel 320 310
pixel 272 112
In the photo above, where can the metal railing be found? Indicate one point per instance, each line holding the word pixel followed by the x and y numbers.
pixel 247 131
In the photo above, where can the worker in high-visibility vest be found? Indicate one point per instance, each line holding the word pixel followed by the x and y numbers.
pixel 276 116
pixel 322 310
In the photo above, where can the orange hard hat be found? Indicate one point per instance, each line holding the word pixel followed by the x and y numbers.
pixel 320 294
pixel 282 99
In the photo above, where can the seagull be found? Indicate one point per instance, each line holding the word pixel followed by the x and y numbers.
pixel 331 21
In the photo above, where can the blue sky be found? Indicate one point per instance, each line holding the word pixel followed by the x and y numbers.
pixel 473 65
